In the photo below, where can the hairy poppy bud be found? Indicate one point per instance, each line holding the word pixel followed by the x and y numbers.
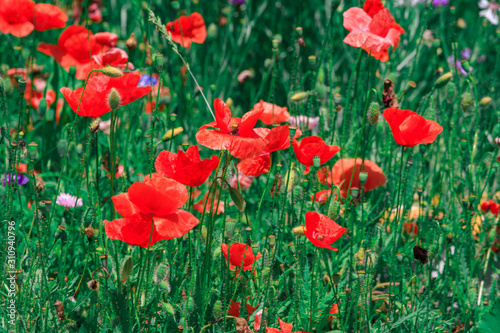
pixel 131 42
pixel 114 99
pixel 443 80
pixel 326 279
pixel 291 246
pixel 276 43
pixel 420 254
pixel 22 85
pixel 217 309
pixel 299 96
pixel 466 102
pixel 158 61
pixel 373 113
pixel 299 231
pixel 111 71
pixel 172 133
pixel 334 209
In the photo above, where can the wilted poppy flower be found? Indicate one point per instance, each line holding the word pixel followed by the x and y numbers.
pixel 11 179
pixel 235 134
pixel 186 167
pixel 240 255
pixel 95 100
pixel 341 174
pixel 490 206
pixel 409 128
pixel 322 231
pixel 312 146
pixel 156 201
pixel 373 29
pixel 304 122
pixel 284 328
pixel 75 48
pixel 187 29
pixel 272 113
pixel 277 138
pixel 21 17
pixel 68 201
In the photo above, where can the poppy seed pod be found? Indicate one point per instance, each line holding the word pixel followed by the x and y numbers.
pixel 363 177
pixel 443 80
pixel 114 99
pixel 355 192
pixel 93 285
pixel 316 161
pixel 312 60
pixel 373 113
pixel 22 85
pixel 111 71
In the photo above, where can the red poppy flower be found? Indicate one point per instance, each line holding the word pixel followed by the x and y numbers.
pixel 34 96
pixel 95 100
pixel 312 146
pixel 278 138
pixel 322 196
pixel 409 128
pixel 75 48
pixel 21 17
pixel 410 228
pixel 284 328
pixel 490 206
pixel 373 29
pixel 235 134
pixel 272 113
pixel 113 57
pixel 342 172
pixel 94 12
pixel 235 307
pixel 240 254
pixel 186 167
pixel 187 29
pixel 209 203
pixel 243 180
pixel 156 201
pixel 322 231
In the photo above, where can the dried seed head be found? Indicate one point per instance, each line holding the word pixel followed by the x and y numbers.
pixel 94 126
pixel 420 254
pixel 114 99
pixel 93 285
pixel 60 309
pixel 89 231
pixel 131 42
pixel 388 96
pixel 111 71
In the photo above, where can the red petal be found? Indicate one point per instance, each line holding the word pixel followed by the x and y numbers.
pixel 49 17
pixel 175 225
pixel 372 7
pixel 255 166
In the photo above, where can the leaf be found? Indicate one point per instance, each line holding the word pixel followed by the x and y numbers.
pixel 490 321
pixel 237 198
pixel 126 268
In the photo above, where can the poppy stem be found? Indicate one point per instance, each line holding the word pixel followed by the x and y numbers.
pixel 398 210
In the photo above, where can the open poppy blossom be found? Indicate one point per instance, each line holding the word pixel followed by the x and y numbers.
pixel 95 100
pixel 277 138
pixel 322 196
pixel 236 134
pixel 284 328
pixel 341 174
pixel 409 128
pixel 373 29
pixel 186 167
pixel 75 48
pixel 240 255
pixel 322 231
pixel 113 57
pixel 34 96
pixel 272 113
pixel 188 29
pixel 235 308
pixel 21 17
pixel 209 203
pixel 490 206
pixel 312 146
pixel 152 206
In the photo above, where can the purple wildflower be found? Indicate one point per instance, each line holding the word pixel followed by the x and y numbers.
pixel 21 179
pixel 302 121
pixel 147 80
pixel 236 2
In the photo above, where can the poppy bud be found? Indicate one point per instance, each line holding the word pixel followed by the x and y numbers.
pixel 94 125
pixel 217 309
pixel 204 233
pixel 158 61
pixel 316 161
pixel 126 268
pixel 326 279
pixel 2 84
pixel 485 101
pixel 93 285
pixel 299 96
pixel 443 80
pixel 212 31
pixel 22 85
pixel 301 42
pixel 363 177
pixel 450 92
pixel 291 246
pixel 466 102
pixel 131 42
pixel 79 149
pixel 420 254
pixel 373 113
pixel 172 133
pixel 60 233
pixel 276 43
pixel 173 117
pixel 114 99
pixel 299 231
pixel 111 71
pixel 161 273
pixel 334 209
